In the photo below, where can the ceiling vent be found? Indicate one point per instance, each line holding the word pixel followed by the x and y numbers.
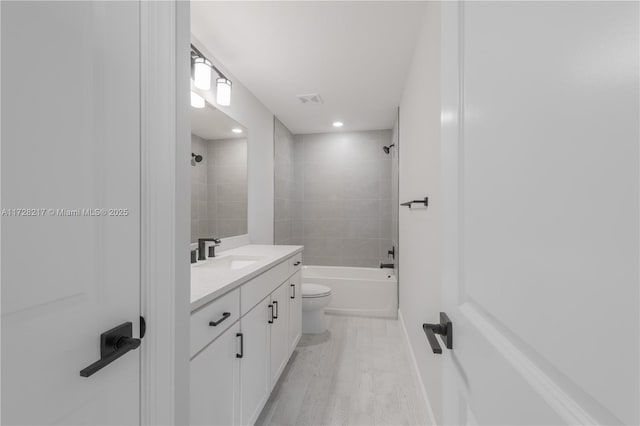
pixel 312 98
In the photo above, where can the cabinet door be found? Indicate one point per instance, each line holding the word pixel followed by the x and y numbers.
pixel 215 382
pixel 254 367
pixel 295 310
pixel 280 330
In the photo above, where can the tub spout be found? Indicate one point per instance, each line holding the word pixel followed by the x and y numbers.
pixel 386 265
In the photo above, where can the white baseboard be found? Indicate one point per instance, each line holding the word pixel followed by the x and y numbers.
pixel 416 371
pixel 377 313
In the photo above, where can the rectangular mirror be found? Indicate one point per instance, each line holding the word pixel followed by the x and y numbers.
pixel 218 174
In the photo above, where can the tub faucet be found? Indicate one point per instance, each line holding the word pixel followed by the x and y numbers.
pixel 212 250
pixel 386 265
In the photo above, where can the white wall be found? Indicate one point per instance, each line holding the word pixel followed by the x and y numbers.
pixel 246 109
pixel 395 200
pixel 419 176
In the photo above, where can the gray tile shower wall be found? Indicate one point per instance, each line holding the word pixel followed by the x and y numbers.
pixel 219 188
pixel 395 201
pixel 341 197
pixel 199 218
pixel 283 140
pixel 227 187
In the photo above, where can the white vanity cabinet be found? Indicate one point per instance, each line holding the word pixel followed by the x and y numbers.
pixel 236 362
pixel 280 348
pixel 295 310
pixel 215 384
pixel 255 379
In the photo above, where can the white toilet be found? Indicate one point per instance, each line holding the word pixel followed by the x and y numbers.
pixel 315 298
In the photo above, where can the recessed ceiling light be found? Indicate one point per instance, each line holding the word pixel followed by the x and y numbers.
pixel 197 101
pixel 236 130
pixel 338 124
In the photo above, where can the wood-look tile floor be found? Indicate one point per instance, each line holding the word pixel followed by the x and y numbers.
pixel 357 373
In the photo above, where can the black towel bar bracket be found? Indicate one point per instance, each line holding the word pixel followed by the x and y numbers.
pixel 409 203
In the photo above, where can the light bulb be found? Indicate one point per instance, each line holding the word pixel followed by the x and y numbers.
pixel 202 73
pixel 197 101
pixel 338 124
pixel 223 91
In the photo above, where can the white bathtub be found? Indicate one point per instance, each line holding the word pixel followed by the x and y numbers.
pixel 369 292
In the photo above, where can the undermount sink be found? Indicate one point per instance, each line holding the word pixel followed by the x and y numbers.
pixel 233 263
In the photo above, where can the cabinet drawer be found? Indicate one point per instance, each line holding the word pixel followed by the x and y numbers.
pixel 295 263
pixel 222 312
pixel 262 285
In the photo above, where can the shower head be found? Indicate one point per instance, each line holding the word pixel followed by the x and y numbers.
pixel 197 158
pixel 387 148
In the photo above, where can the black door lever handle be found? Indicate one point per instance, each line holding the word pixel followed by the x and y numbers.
pixel 113 344
pixel 431 337
pixel 445 329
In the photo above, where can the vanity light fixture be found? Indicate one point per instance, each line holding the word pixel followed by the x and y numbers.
pixel 223 91
pixel 338 124
pixel 236 130
pixel 202 77
pixel 202 73
pixel 197 101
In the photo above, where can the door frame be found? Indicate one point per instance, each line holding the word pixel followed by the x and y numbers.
pixel 165 211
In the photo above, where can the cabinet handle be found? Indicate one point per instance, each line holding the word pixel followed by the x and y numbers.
pixel 225 315
pixel 276 305
pixel 241 336
pixel 297 263
pixel 294 291
pixel 271 320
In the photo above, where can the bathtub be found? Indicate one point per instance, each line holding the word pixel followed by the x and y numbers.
pixel 368 292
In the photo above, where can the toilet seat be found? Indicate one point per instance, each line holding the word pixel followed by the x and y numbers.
pixel 310 291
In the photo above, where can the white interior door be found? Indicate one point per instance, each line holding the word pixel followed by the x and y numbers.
pixel 540 144
pixel 71 141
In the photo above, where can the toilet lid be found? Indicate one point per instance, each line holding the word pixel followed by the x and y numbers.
pixel 315 290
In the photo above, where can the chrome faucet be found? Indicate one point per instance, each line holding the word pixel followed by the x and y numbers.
pixel 202 245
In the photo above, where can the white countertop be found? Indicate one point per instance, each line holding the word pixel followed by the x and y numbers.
pixel 208 282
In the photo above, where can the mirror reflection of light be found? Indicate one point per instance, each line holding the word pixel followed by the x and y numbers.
pixel 223 91
pixel 447 117
pixel 197 101
pixel 236 130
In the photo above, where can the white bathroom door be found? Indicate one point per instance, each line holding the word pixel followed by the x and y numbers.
pixel 70 209
pixel 540 160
